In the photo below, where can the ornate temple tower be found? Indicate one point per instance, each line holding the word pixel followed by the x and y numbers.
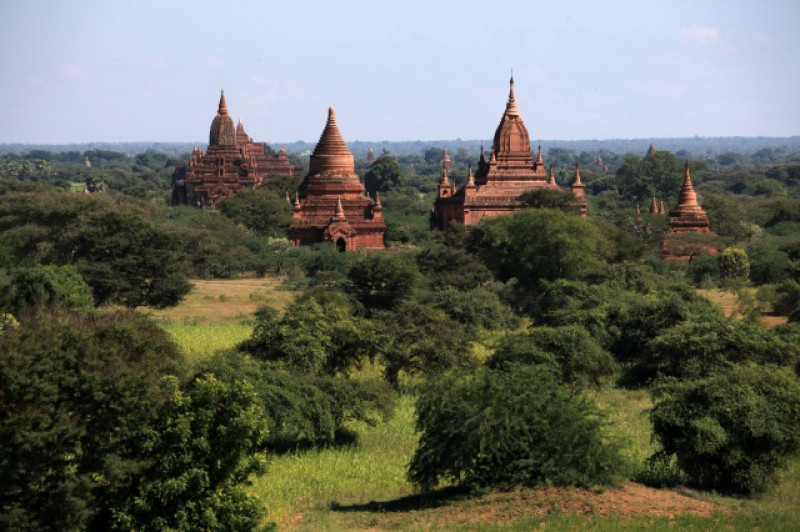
pixel 687 218
pixel 331 204
pixel 497 183
pixel 232 161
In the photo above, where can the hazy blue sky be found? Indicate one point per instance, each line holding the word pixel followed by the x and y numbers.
pixel 79 70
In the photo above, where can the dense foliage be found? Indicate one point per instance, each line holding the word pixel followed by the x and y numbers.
pixel 505 428
pixel 568 351
pixel 121 254
pixel 97 432
pixel 731 431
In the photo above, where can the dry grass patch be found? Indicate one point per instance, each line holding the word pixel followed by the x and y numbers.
pixel 728 301
pixel 226 301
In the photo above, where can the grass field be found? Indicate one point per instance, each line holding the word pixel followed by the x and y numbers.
pixel 218 314
pixel 363 486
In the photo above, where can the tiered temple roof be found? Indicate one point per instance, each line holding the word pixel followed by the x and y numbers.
pixel 331 204
pixel 688 216
pixel 686 219
pixel 498 182
pixel 232 161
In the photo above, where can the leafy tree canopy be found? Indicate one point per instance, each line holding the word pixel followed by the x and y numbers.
pixel 261 211
pixel 383 175
pixel 731 431
pixel 539 244
pixel 122 255
pixel 505 428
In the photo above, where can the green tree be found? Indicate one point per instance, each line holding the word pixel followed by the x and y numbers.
pixel 433 155
pixel 46 286
pixel 539 244
pixel 383 175
pixel 568 351
pixel 317 336
pixel 380 280
pixel 301 409
pixel 639 180
pixel 415 338
pixel 696 349
pixel 79 396
pixel 547 198
pixel 209 438
pixel 733 430
pixel 261 211
pixel 452 267
pixel 123 255
pixel 476 307
pixel 646 319
pixel 734 266
pixel 505 428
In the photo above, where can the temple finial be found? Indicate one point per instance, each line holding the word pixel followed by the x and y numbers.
pixel 577 181
pixel 470 177
pixel 339 209
pixel 552 178
pixel 331 114
pixel 223 107
pixel 511 106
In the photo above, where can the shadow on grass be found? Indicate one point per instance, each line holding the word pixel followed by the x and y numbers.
pixel 343 438
pixel 421 501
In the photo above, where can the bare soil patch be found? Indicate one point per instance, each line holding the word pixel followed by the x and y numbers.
pixel 627 500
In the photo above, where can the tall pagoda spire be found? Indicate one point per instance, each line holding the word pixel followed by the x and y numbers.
pixel 577 181
pixel 223 107
pixel 511 106
pixel 551 179
pixel 688 195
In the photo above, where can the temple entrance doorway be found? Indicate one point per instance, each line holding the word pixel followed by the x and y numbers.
pixel 341 245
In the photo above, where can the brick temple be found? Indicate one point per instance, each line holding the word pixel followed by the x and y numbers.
pixel 495 187
pixel 688 218
pixel 331 204
pixel 232 161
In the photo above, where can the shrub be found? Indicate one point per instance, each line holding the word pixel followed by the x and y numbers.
pixel 47 286
pixel 478 307
pixel 415 338
pixel 643 320
pixel 303 410
pixel 82 400
pixel 692 350
pixel 768 265
pixel 568 352
pixel 732 431
pixel 317 334
pixel 788 300
pixel 704 271
pixel 380 280
pixel 446 267
pixel 734 265
pixel 504 428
